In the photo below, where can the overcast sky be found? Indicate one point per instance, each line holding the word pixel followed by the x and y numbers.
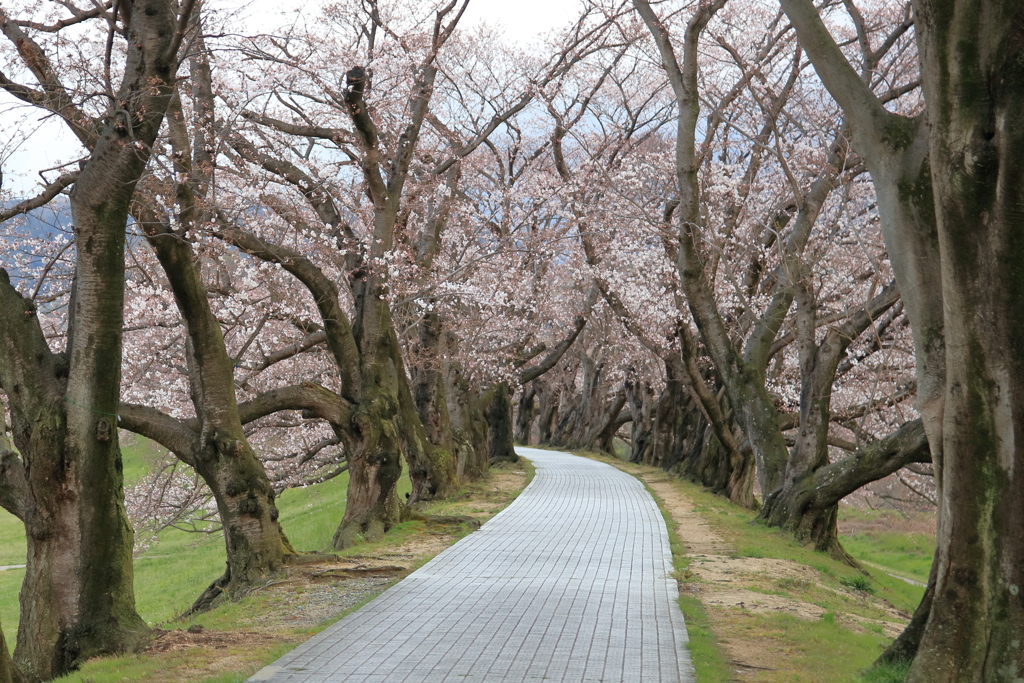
pixel 522 21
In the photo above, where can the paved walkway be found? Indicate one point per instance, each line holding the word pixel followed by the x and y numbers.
pixel 568 583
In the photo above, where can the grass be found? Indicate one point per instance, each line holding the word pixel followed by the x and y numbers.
pixel 814 651
pixel 153 670
pixel 908 555
pixel 889 673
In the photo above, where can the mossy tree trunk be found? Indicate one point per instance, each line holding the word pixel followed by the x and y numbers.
pixel 498 413
pixel 792 507
pixel 640 401
pixel 468 424
pixel 547 412
pixel 9 672
pixel 526 413
pixel 807 506
pixel 433 465
pixel 972 67
pixel 77 599
pixel 214 443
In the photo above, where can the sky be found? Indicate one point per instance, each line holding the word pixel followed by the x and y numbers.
pixel 49 144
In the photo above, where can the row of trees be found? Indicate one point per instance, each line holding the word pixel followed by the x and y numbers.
pixel 706 231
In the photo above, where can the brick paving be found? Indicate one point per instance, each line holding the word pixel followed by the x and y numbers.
pixel 569 583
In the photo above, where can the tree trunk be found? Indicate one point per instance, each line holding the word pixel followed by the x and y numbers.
pixel 77 599
pixel 256 544
pixel 432 457
pixel 216 448
pixel 9 672
pixel 974 89
pixel 807 506
pixel 794 506
pixel 640 400
pixel 498 412
pixel 376 448
pixel 548 414
pixel 526 414
pixel 469 428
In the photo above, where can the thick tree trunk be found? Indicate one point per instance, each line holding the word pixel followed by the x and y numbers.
pixel 526 414
pixel 469 428
pixel 77 599
pixel 375 450
pixel 431 448
pixel 814 525
pixel 375 465
pixel 807 506
pixel 548 414
pixel 498 412
pixel 256 545
pixel 640 400
pixel 973 84
pixel 796 506
pixel 217 447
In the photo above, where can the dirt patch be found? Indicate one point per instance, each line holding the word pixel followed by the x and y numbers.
pixel 699 538
pixel 717 569
pixel 180 640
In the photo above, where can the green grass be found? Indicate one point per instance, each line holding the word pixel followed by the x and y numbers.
pixel 888 673
pixel 908 555
pixel 818 651
pixel 138 455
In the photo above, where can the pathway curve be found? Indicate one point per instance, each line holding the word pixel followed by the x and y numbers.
pixel 569 583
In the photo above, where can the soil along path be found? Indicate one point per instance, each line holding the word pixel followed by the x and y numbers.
pixel 571 582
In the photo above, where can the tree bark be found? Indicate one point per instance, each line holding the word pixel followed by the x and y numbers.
pixel 526 414
pixel 807 507
pixel 469 427
pixel 498 412
pixel 971 56
pixel 77 600
pixel 9 672
pixel 434 473
pixel 640 400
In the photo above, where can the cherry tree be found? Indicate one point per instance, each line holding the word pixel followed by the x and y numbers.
pixel 77 598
